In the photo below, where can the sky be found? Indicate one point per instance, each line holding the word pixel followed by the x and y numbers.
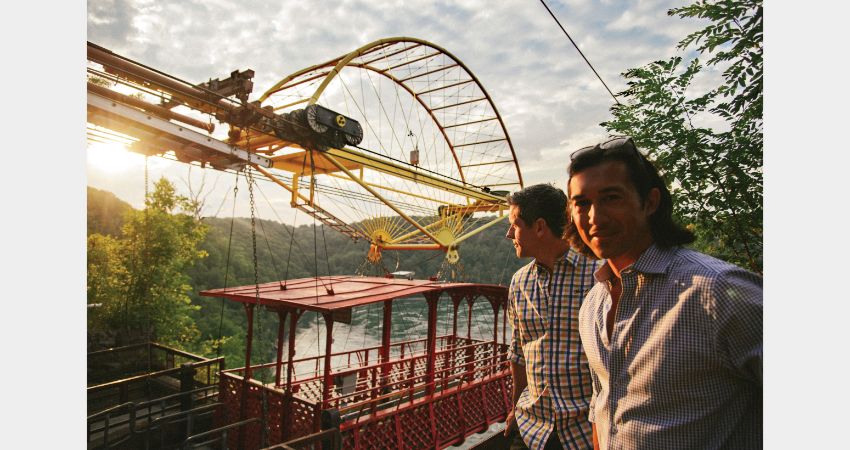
pixel 550 100
pixel 551 103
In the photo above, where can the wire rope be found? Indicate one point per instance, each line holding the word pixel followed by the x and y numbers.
pixel 579 51
pixel 218 343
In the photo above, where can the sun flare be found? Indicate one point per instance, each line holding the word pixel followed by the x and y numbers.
pixel 109 152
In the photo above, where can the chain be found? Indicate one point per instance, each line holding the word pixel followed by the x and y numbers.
pixel 250 177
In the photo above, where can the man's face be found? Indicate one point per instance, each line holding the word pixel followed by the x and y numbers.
pixel 609 214
pixel 524 237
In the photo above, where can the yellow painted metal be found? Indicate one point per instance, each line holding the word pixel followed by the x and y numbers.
pixel 412 247
pixel 478 230
pixel 341 62
pixel 452 256
pixel 381 198
pixel 430 226
pixel 294 191
pixel 297 102
pixel 346 161
pixel 476 207
pixel 387 188
pixel 420 176
pixel 294 162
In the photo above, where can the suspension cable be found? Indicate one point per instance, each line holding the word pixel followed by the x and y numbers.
pixel 227 264
pixel 579 51
pixel 327 260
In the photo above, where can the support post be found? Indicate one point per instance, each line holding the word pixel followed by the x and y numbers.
pixel 293 323
pixel 430 365
pixel 328 380
pixel 386 336
pixel 246 374
pixel 453 362
pixel 469 301
pixel 470 349
pixel 281 322
pixel 431 342
pixel 495 307
pixel 187 384
pixel 331 421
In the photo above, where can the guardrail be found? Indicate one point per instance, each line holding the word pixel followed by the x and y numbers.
pixel 154 384
pixel 330 439
pixel 114 426
pixel 216 436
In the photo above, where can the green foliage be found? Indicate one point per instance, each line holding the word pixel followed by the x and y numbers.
pixel 485 258
pixel 105 212
pixel 139 277
pixel 118 268
pixel 715 171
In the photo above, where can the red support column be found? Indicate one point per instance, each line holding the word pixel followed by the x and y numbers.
pixel 293 323
pixel 495 307
pixel 246 374
pixel 281 322
pixel 469 301
pixel 386 336
pixel 326 388
pixel 469 367
pixel 430 366
pixel 431 342
pixel 456 303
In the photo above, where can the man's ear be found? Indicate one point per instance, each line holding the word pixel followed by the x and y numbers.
pixel 540 227
pixel 653 199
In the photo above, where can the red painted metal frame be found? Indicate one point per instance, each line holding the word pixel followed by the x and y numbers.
pixel 311 294
pixel 433 393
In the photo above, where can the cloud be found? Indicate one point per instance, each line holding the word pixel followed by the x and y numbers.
pixel 549 98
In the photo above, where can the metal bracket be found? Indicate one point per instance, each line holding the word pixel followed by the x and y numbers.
pixel 155 132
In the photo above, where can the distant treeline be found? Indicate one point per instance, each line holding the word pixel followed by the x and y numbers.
pixel 485 258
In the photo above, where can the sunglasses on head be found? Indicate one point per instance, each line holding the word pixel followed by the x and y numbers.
pixel 621 145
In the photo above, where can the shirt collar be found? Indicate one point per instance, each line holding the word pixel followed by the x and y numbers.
pixel 654 260
pixel 570 257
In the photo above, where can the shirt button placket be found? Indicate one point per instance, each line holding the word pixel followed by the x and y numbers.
pixel 617 356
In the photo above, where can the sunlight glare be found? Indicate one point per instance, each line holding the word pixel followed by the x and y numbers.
pixel 108 152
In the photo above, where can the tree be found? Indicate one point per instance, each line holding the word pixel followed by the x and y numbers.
pixel 139 280
pixel 709 145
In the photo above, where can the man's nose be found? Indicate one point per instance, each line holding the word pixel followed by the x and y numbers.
pixel 510 233
pixel 595 215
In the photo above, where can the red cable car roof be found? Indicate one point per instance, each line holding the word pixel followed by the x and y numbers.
pixel 327 294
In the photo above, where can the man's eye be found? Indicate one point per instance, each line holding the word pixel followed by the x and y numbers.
pixel 581 204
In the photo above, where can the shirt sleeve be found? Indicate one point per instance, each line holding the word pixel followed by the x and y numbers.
pixel 738 298
pixel 515 354
pixel 594 380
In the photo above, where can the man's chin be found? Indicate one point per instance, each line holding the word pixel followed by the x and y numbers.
pixel 600 252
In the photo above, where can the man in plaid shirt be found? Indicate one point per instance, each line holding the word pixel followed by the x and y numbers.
pixel 673 336
pixel 551 381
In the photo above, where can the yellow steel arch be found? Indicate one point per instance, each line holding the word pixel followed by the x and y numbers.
pixel 442 206
pixel 346 60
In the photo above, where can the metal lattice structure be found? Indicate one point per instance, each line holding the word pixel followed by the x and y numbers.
pixel 425 393
pixel 396 142
pixel 435 160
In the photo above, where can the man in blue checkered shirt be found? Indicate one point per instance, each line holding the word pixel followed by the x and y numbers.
pixel 673 337
pixel 551 386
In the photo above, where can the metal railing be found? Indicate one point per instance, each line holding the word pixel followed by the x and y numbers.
pixel 143 371
pixel 330 439
pixel 219 435
pixel 114 426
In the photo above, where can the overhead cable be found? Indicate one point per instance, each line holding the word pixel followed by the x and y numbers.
pixel 580 52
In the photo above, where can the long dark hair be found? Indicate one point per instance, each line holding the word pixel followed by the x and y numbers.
pixel 644 176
